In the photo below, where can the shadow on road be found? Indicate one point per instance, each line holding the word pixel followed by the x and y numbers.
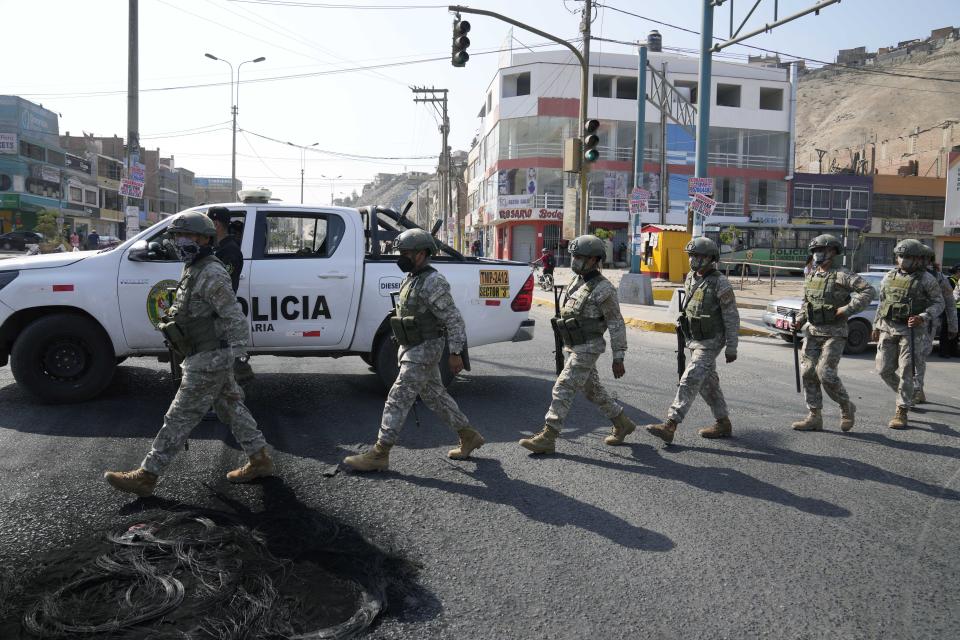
pixel 914 447
pixel 545 505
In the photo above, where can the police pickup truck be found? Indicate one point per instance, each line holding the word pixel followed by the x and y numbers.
pixel 315 282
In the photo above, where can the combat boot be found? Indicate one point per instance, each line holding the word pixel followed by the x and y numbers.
pixel 140 481
pixel 719 429
pixel 847 416
pixel 899 419
pixel 543 442
pixel 242 371
pixel 377 458
pixel 664 430
pixel 919 397
pixel 622 427
pixel 469 441
pixel 813 422
pixel 259 466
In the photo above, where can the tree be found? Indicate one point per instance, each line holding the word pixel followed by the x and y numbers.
pixel 47 225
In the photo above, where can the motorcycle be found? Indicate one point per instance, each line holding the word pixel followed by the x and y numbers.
pixel 544 280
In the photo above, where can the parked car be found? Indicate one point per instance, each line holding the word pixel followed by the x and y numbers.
pixel 109 242
pixel 18 240
pixel 779 313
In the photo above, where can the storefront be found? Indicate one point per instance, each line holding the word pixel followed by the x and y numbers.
pixel 520 229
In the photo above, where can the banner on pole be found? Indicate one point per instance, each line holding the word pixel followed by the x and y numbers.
pixel 702 205
pixel 639 200
pixel 699 185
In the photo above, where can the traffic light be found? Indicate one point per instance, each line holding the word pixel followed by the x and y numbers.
pixel 459 56
pixel 591 140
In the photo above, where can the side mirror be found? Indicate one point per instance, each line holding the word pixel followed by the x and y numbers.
pixel 139 251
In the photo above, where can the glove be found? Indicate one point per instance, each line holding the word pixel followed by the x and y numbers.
pixel 730 356
pixel 875 335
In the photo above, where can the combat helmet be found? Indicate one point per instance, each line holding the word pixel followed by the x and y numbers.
pixel 910 248
pixel 588 245
pixel 703 246
pixel 825 241
pixel 193 222
pixel 415 240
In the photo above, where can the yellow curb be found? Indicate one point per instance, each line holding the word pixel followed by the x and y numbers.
pixel 663 294
pixel 663 327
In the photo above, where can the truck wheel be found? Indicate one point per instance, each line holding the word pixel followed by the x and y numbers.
pixel 786 337
pixel 63 358
pixel 858 337
pixel 388 368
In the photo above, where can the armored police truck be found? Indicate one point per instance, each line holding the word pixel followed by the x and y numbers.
pixel 316 281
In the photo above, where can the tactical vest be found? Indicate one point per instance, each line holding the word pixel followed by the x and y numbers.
pixel 572 326
pixel 824 297
pixel 902 297
pixel 702 318
pixel 190 334
pixel 414 323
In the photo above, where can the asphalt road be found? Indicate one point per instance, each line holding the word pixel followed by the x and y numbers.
pixel 771 534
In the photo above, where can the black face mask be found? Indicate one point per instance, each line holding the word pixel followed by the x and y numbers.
pixel 405 263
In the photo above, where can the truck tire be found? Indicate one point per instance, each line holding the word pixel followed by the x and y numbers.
pixel 858 337
pixel 388 368
pixel 63 358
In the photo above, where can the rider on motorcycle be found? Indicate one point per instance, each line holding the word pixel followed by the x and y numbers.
pixel 547 261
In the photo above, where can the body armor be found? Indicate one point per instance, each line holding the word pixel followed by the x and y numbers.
pixel 823 298
pixel 702 318
pixel 902 297
pixel 572 326
pixel 189 334
pixel 414 323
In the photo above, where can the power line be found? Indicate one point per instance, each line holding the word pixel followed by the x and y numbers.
pixel 339 154
pixel 331 5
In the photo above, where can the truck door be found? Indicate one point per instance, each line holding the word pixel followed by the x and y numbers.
pixel 303 280
pixel 142 294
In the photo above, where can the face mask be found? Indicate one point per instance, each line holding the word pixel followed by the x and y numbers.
pixel 907 264
pixel 698 262
pixel 577 265
pixel 406 264
pixel 819 257
pixel 187 248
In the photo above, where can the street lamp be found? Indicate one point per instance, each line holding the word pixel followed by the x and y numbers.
pixel 332 180
pixel 234 102
pixel 303 163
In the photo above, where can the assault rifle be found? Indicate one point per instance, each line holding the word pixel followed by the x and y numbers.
pixel 913 360
pixel 796 349
pixel 557 340
pixel 175 370
pixel 681 338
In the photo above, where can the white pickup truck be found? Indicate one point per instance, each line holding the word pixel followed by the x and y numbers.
pixel 316 281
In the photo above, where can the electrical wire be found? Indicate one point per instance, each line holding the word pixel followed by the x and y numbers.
pixel 339 154
pixel 331 5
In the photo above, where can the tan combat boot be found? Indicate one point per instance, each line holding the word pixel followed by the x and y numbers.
pixel 813 421
pixel 664 430
pixel 259 466
pixel 140 481
pixel 847 416
pixel 899 419
pixel 622 427
pixel 543 442
pixel 919 397
pixel 719 429
pixel 469 441
pixel 377 458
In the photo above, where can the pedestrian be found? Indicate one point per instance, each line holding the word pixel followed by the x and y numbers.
pixel 228 251
pixel 831 295
pixel 75 241
pixel 943 327
pixel 710 324
pixel 589 308
pixel 910 299
pixel 206 326
pixel 425 313
pixel 93 240
pixel 547 261
pixel 475 248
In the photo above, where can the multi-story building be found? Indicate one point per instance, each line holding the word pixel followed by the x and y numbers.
pixel 186 192
pixel 168 184
pixel 515 171
pixel 209 190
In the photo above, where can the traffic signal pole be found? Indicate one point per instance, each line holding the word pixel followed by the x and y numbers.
pixel 583 59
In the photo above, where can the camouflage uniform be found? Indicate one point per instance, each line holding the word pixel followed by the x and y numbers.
pixel 824 342
pixel 208 375
pixel 419 371
pixel 700 376
pixel 580 368
pixel 893 350
pixel 933 329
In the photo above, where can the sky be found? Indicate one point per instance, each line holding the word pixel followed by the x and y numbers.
pixel 72 57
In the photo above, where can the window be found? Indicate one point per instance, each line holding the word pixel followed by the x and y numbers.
pixel 55 157
pixel 771 99
pixel 627 88
pixel 688 88
pixel 516 85
pixel 728 95
pixel 859 199
pixel 294 236
pixel 76 195
pixel 90 197
pixel 602 86
pixel 33 151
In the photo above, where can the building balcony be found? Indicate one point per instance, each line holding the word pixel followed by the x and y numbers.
pixel 625 154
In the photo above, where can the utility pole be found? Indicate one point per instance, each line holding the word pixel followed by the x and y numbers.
pixel 437 97
pixel 704 90
pixel 133 96
pixel 583 216
pixel 664 178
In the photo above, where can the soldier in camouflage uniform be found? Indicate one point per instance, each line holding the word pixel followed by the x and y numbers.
pixel 207 328
pixel 425 313
pixel 830 296
pixel 590 308
pixel 934 328
pixel 710 324
pixel 910 298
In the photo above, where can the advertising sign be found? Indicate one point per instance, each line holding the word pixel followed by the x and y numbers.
pixel 699 185
pixel 951 211
pixel 532 180
pixel 138 173
pixel 569 213
pixel 639 200
pixel 131 189
pixel 703 205
pixel 8 143
pixel 523 201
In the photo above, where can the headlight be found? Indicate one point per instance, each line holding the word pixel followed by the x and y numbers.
pixel 6 277
pixel 771 308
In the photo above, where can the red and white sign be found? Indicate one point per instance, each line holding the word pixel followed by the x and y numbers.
pixel 555 215
pixel 703 205
pixel 699 185
pixel 639 200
